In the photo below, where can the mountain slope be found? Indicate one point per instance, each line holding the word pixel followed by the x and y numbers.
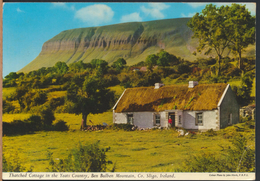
pixel 132 41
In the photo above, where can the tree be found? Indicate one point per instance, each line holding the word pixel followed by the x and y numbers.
pixel 61 67
pixel 244 91
pixel 210 27
pixel 100 65
pixel 166 59
pixel 12 75
pixel 19 93
pixel 79 66
pixel 242 25
pixel 151 60
pixel 92 97
pixel 119 64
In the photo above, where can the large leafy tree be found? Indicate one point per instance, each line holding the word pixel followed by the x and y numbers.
pixel 90 97
pixel 119 64
pixel 242 26
pixel 210 28
pixel 166 59
pixel 61 67
pixel 100 65
pixel 150 61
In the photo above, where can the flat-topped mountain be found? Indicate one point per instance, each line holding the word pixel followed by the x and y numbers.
pixel 132 41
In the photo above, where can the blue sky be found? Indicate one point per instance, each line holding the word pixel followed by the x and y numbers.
pixel 26 26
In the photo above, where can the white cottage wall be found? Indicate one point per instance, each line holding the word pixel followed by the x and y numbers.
pixel 210 120
pixel 143 119
pixel 120 118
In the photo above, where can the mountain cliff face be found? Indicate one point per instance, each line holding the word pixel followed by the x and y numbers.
pixel 132 41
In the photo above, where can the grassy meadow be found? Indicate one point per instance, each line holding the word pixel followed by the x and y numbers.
pixel 131 151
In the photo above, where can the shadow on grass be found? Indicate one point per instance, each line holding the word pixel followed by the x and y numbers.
pixel 161 165
pixel 119 155
pixel 139 149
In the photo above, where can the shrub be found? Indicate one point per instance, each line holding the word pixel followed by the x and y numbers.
pixel 218 79
pixel 13 164
pixel 87 158
pixel 35 123
pixel 111 80
pixel 60 125
pixel 8 107
pixel 210 132
pixel 183 68
pixel 46 115
pixel 238 158
pixel 126 127
pixel 206 162
pixel 174 76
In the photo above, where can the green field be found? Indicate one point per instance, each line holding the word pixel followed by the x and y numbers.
pixel 132 151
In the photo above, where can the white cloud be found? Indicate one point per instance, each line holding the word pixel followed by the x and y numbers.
pixel 195 5
pixel 154 10
pixel 159 6
pixel 19 10
pixel 63 6
pixel 189 15
pixel 95 14
pixel 250 6
pixel 131 17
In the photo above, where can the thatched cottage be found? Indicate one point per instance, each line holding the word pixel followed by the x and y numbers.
pixel 194 106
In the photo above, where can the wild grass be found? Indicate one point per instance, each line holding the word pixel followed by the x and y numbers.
pixel 74 121
pixel 56 94
pixel 118 89
pixel 10 117
pixel 132 151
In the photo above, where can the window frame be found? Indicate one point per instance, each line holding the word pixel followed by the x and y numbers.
pixel 180 122
pixel 197 123
pixel 156 118
pixel 130 121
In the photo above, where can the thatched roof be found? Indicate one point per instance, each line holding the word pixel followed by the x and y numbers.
pixel 201 97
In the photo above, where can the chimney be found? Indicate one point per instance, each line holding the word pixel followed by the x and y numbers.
pixel 193 84
pixel 158 85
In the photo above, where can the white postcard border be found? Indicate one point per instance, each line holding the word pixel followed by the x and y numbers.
pixel 127 176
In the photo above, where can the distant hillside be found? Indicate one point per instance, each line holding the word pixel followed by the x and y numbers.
pixel 132 41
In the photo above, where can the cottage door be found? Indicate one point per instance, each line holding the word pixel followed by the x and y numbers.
pixel 172 117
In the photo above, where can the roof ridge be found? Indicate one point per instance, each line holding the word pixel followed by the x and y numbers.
pixel 179 85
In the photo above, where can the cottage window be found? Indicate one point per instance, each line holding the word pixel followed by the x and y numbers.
pixel 230 119
pixel 179 119
pixel 130 119
pixel 199 119
pixel 157 119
